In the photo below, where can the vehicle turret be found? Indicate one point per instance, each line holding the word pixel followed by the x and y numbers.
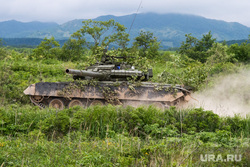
pixel 107 70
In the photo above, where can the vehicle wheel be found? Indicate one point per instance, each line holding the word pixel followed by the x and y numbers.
pixel 96 102
pixel 75 103
pixel 56 103
pixel 158 105
pixel 37 99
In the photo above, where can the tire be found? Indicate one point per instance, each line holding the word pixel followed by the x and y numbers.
pixel 57 104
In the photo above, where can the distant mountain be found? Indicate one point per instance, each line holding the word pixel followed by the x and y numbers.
pixel 16 29
pixel 170 29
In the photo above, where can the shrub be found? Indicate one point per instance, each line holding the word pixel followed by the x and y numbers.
pixel 57 124
pixel 236 124
pixel 199 120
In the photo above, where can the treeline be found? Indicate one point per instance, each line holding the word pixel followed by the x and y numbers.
pixel 34 42
pixel 25 42
pixel 206 50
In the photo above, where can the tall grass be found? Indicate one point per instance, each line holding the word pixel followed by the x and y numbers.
pixel 104 121
pixel 117 136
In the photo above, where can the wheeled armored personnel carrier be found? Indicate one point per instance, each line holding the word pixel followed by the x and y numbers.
pixel 107 82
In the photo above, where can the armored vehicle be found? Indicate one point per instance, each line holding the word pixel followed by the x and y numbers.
pixel 107 82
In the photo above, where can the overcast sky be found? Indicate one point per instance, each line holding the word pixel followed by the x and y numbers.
pixel 61 11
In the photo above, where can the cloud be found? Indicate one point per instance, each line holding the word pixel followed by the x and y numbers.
pixel 65 10
pixel 228 10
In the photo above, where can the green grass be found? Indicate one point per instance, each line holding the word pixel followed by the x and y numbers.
pixel 76 150
pixel 116 136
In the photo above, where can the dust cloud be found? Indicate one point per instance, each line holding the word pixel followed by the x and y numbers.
pixel 230 95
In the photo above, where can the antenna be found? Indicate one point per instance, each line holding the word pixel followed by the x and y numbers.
pixel 135 17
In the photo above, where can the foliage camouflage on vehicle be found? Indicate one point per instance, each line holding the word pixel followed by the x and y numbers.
pixel 111 85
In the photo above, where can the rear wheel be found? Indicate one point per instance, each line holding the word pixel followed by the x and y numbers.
pixel 56 103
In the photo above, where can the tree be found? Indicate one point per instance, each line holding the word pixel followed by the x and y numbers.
pixel 206 42
pixel 148 44
pixel 219 54
pixel 2 50
pixel 197 49
pixel 101 34
pixel 241 52
pixel 47 49
pixel 73 50
pixel 1 42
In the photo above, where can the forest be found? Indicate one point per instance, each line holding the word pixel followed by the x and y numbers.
pixel 116 135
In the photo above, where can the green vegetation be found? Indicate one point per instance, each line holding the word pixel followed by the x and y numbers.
pixel 197 49
pixel 117 136
pixel 113 135
pixel 148 45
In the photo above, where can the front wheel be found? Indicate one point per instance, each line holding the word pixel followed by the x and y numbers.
pixel 37 99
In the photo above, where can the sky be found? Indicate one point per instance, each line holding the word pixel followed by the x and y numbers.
pixel 61 11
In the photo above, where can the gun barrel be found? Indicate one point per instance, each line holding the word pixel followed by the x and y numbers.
pixel 84 73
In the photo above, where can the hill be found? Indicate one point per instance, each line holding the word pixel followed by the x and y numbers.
pixel 170 29
pixel 16 29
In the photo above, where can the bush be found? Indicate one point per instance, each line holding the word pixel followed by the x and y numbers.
pixel 236 124
pixel 199 120
pixel 57 124
pixel 15 119
pixel 241 52
pixel 197 49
